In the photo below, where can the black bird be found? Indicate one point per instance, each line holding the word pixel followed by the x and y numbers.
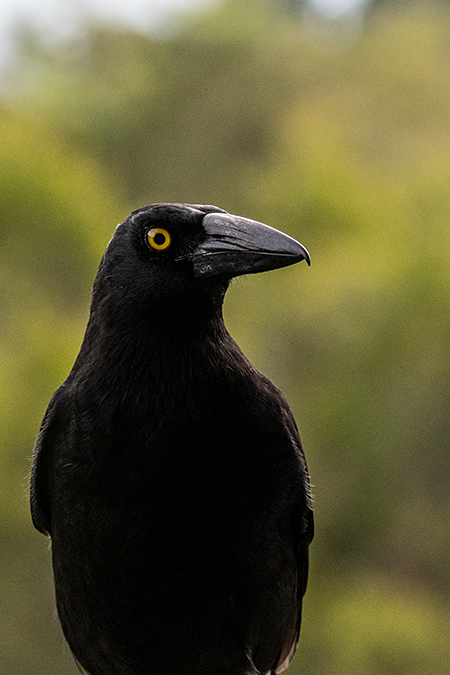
pixel 168 472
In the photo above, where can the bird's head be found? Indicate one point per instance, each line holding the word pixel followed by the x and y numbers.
pixel 175 254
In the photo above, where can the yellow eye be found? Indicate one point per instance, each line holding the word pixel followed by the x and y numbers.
pixel 158 238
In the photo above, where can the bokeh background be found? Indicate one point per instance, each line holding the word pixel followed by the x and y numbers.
pixel 330 121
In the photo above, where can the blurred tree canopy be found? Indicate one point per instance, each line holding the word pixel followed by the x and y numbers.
pixel 342 139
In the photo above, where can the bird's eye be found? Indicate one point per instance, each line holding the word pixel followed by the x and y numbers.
pixel 158 238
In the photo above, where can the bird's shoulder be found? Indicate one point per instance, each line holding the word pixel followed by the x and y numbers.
pixel 256 394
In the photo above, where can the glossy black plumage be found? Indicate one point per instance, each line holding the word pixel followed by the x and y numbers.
pixel 168 471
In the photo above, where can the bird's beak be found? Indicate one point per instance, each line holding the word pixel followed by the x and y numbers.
pixel 236 245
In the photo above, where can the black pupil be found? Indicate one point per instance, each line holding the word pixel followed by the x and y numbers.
pixel 159 238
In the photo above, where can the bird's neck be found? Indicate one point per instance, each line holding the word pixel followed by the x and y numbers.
pixel 162 347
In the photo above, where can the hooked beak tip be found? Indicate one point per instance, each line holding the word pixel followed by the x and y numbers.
pixel 236 245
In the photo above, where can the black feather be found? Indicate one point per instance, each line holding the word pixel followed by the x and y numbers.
pixel 169 472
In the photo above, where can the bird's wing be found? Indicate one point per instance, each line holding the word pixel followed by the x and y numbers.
pixel 42 469
pixel 302 524
pixel 302 539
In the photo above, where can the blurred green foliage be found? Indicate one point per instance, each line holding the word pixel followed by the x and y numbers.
pixel 342 139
